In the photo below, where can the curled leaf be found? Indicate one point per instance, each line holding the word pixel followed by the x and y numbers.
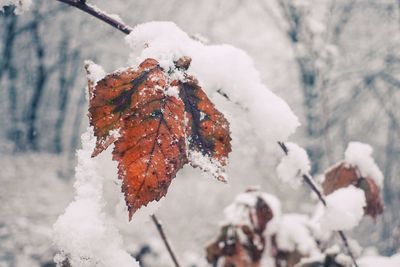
pixel 339 176
pixel 372 195
pixel 342 175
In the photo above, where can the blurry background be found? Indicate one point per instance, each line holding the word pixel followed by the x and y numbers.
pixel 336 63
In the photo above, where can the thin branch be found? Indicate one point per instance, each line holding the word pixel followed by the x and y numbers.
pixel 164 238
pixel 308 180
pixel 101 15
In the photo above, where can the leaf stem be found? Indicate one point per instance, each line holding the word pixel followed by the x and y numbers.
pixel 97 13
pixel 164 238
pixel 309 181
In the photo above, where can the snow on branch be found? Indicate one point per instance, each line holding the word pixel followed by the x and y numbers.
pixel 219 68
pixel 111 19
pixel 344 210
pixel 293 165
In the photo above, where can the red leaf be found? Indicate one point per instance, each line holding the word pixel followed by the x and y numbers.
pixel 154 131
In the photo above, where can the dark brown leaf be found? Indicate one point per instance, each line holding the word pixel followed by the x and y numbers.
pixel 342 175
pixel 372 195
pixel 339 176
pixel 247 250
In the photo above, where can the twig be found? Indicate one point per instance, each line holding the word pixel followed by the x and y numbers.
pixel 164 238
pixel 308 180
pixel 91 10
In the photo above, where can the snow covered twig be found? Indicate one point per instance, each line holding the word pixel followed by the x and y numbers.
pixel 308 180
pixel 91 10
pixel 164 238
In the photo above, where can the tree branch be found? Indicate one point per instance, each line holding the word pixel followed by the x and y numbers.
pixel 101 15
pixel 164 238
pixel 308 180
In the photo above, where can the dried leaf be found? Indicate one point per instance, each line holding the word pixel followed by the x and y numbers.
pixel 236 246
pixel 342 175
pixel 339 176
pixel 372 195
pixel 241 244
pixel 155 122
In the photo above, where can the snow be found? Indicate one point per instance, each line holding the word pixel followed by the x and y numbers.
pixel 84 234
pixel 217 67
pixel 360 155
pixel 172 91
pixel 208 165
pixel 99 11
pixel 21 5
pixel 295 233
pixel 344 210
pixel 237 213
pixel 374 261
pixel 94 72
pixel 293 165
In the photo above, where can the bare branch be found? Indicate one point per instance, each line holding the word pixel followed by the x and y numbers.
pixel 308 180
pixel 91 10
pixel 164 238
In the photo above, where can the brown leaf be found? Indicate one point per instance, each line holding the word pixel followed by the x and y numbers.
pixel 231 250
pixel 372 195
pixel 342 175
pixel 339 176
pixel 133 109
pixel 247 250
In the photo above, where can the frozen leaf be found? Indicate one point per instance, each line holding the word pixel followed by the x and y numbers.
pixel 157 119
pixel 343 175
pixel 242 239
pixel 339 176
pixel 372 195
pixel 206 128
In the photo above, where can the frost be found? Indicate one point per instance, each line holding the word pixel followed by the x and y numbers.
pixel 360 155
pixel 208 164
pixel 218 68
pixel 115 134
pixel 99 11
pixel 84 234
pixel 295 233
pixel 95 72
pixel 172 91
pixel 293 165
pixel 21 5
pixel 344 210
pixel 238 212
